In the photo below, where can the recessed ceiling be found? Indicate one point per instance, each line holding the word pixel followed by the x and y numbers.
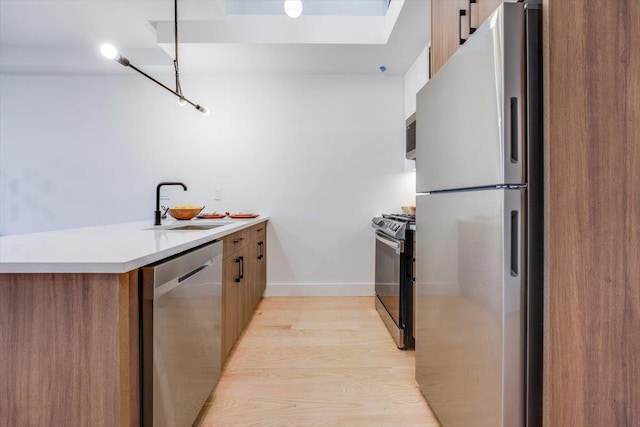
pixel 216 36
pixel 310 7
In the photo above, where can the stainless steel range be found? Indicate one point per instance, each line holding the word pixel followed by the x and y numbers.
pixel 395 275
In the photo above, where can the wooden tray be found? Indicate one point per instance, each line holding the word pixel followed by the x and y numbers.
pixel 212 216
pixel 243 215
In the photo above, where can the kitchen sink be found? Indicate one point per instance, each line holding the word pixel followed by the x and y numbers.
pixel 196 227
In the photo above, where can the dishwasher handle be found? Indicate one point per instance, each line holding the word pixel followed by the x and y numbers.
pixel 162 277
pixel 194 271
pixel 172 284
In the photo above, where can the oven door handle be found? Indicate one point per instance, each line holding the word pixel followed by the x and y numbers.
pixel 396 245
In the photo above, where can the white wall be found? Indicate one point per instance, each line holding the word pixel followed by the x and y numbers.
pixel 321 155
pixel 414 79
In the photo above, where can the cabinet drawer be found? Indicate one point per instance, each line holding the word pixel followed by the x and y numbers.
pixel 258 232
pixel 234 242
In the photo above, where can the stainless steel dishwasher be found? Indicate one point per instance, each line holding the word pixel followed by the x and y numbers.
pixel 181 335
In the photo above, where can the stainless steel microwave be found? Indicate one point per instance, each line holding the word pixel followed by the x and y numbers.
pixel 410 140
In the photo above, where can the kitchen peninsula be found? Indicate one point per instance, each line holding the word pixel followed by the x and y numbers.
pixel 69 313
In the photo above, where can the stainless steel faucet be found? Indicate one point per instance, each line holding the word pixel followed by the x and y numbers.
pixel 158 220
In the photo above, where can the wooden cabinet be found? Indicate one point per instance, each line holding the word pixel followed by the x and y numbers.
pixel 69 349
pixel 451 22
pixel 230 267
pixel 234 242
pixel 592 213
pixel 262 270
pixel 445 35
pixel 260 260
pixel 244 281
pixel 485 8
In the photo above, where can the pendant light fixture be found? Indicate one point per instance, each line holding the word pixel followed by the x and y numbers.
pixel 109 51
pixel 293 8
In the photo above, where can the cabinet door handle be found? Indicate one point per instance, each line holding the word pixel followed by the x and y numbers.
pixel 463 12
pixel 261 245
pixel 471 29
pixel 238 240
pixel 260 229
pixel 241 267
pixel 239 262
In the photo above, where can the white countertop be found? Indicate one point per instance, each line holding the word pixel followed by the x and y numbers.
pixel 117 248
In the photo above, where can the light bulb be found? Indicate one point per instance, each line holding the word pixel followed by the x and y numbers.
pixel 182 102
pixel 109 50
pixel 203 110
pixel 293 8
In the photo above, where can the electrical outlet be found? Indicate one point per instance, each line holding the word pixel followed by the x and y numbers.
pixel 218 195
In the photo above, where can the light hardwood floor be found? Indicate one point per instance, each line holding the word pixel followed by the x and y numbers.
pixel 317 361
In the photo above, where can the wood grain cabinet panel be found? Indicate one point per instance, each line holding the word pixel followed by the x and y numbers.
pixel 229 300
pixel 592 183
pixel 243 305
pixel 445 35
pixel 261 274
pixel 69 350
pixel 234 242
pixel 244 281
pixel 448 26
pixel 235 287
pixel 258 257
pixel 252 297
pixel 485 8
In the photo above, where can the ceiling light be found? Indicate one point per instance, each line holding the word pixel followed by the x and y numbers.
pixel 109 51
pixel 293 8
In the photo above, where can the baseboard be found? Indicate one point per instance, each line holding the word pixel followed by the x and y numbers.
pixel 319 290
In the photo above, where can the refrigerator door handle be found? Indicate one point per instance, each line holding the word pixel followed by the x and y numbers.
pixel 514 239
pixel 515 243
pixel 515 130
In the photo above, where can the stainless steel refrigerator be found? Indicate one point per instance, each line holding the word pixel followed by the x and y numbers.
pixel 479 227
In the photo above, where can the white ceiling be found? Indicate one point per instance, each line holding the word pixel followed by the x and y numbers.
pixel 311 7
pixel 221 36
